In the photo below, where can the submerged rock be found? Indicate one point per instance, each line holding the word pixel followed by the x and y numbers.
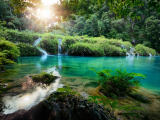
pixel 139 97
pixel 91 84
pixel 62 106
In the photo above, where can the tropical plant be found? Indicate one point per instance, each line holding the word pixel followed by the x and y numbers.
pixel 143 50
pixel 28 50
pixel 8 52
pixel 119 82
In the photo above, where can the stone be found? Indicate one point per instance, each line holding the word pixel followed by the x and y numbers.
pixel 62 106
pixel 139 97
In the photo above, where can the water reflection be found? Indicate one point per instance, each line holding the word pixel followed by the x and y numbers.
pixel 130 60
pixel 44 58
pixel 60 62
pixel 32 97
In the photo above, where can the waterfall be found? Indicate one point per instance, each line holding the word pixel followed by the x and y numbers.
pixel 59 46
pixel 40 49
pixel 124 47
pixel 132 51
pixel 150 54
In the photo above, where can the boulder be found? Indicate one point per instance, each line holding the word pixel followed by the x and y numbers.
pixel 62 106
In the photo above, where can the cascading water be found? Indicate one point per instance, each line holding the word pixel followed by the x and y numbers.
pixel 124 47
pixel 40 49
pixel 132 51
pixel 137 54
pixel 59 46
pixel 150 54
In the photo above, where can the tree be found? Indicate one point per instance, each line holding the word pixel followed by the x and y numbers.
pixel 8 52
pixel 85 7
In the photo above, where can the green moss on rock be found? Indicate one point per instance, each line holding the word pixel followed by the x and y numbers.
pixel 44 77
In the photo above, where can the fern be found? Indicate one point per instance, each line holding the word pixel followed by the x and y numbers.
pixel 116 83
pixel 129 108
pixel 114 105
pixel 68 90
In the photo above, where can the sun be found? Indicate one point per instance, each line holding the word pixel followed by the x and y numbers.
pixel 45 13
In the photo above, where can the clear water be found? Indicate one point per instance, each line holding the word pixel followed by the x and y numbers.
pixel 77 67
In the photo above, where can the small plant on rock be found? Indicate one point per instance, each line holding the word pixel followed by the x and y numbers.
pixel 67 89
pixel 117 83
pixel 44 77
pixel 111 105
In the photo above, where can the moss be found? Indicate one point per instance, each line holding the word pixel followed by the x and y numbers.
pixel 3 90
pixel 44 77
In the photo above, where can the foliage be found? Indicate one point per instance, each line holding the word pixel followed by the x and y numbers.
pixel 144 51
pixel 67 90
pixel 117 83
pixel 114 105
pixel 9 49
pixel 86 49
pixel 102 22
pixel 128 108
pixel 50 44
pixel 85 7
pixel 8 52
pixel 112 50
pixel 17 36
pixel 44 77
pixel 27 50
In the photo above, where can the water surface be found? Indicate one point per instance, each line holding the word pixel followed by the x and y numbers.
pixel 73 69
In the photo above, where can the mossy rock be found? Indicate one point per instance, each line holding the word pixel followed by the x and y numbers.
pixel 44 77
pixel 66 106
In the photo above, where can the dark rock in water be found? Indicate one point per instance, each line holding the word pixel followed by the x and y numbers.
pixel 61 106
pixel 139 97
pixel 91 84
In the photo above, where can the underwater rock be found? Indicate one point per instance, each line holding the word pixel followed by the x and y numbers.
pixel 139 97
pixel 91 84
pixel 61 106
